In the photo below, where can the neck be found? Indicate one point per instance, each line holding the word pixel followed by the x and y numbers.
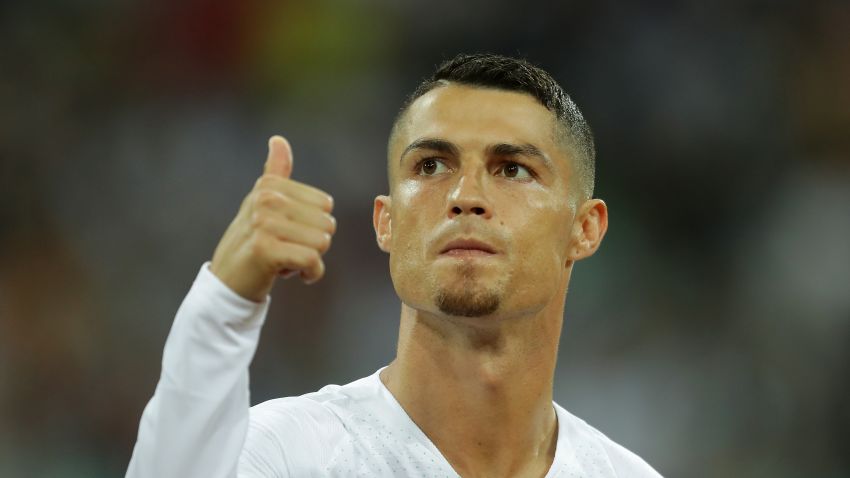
pixel 481 388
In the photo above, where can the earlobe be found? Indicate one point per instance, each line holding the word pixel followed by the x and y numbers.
pixel 589 228
pixel 382 222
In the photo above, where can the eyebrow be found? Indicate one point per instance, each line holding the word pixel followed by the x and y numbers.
pixel 498 149
pixel 507 149
pixel 434 144
pixel 525 149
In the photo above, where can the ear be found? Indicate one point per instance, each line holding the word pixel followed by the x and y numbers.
pixel 589 228
pixel 382 222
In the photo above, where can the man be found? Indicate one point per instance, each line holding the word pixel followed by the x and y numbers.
pixel 490 205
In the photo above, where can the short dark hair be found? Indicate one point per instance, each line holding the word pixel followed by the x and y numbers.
pixel 515 74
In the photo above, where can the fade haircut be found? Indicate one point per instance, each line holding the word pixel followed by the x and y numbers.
pixel 486 70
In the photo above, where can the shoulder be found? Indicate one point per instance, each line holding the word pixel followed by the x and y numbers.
pixel 624 462
pixel 298 434
pixel 326 404
pixel 320 413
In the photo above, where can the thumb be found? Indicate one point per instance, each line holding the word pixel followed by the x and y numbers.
pixel 279 161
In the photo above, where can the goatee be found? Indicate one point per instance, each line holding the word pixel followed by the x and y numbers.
pixel 468 299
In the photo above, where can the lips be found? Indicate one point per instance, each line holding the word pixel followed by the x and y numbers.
pixel 467 246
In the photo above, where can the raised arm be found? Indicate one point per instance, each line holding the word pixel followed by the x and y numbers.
pixel 196 422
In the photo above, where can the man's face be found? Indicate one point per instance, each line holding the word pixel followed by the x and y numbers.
pixel 479 215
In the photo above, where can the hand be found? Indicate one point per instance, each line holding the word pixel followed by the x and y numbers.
pixel 282 227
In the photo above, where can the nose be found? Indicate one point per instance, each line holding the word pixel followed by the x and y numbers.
pixel 468 198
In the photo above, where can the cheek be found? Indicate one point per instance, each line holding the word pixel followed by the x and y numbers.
pixel 409 227
pixel 539 274
pixel 411 277
pixel 540 231
pixel 407 212
pixel 539 219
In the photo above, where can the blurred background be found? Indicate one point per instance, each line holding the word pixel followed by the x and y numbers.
pixel 710 333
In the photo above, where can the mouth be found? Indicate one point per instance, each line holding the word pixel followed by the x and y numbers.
pixel 467 248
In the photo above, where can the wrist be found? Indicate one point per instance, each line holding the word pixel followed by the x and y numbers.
pixel 251 289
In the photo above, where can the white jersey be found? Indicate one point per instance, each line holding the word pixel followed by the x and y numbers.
pixel 198 423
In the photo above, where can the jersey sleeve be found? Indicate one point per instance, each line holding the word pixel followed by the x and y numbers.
pixel 195 424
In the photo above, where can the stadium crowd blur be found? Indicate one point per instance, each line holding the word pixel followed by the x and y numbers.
pixel 709 334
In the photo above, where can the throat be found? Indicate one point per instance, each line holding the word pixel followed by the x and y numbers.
pixel 481 429
pixel 483 396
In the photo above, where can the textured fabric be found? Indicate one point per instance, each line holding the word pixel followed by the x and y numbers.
pixel 198 423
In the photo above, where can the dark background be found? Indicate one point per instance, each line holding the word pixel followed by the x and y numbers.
pixel 709 334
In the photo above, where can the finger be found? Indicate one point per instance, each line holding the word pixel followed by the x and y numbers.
pixel 298 191
pixel 294 232
pixel 269 204
pixel 312 275
pixel 313 218
pixel 296 257
pixel 279 160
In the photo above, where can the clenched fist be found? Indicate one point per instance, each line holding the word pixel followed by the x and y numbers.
pixel 282 227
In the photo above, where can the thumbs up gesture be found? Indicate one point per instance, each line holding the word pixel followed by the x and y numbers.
pixel 283 227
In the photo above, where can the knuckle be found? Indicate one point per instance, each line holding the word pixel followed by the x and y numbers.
pixel 257 245
pixel 317 272
pixel 262 198
pixel 331 224
pixel 313 273
pixel 313 259
pixel 325 243
pixel 266 181
pixel 258 220
pixel 269 199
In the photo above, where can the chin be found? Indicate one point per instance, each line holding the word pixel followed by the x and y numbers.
pixel 468 291
pixel 468 301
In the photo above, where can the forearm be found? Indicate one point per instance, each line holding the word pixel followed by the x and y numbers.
pixel 195 424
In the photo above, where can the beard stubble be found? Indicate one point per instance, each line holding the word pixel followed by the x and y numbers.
pixel 468 298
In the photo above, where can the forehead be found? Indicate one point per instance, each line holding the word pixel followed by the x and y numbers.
pixel 473 116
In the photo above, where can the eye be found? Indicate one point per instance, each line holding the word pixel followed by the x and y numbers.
pixel 514 171
pixel 430 167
